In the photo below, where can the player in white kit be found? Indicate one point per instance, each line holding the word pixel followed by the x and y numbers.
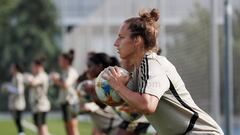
pixel 105 119
pixel 158 90
pixel 38 98
pixel 16 99
pixel 68 97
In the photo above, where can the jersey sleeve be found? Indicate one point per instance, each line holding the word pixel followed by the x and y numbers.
pixel 38 80
pixel 20 84
pixel 71 77
pixel 152 78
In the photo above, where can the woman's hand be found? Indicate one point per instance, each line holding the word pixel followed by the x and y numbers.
pixel 54 76
pixel 141 102
pixel 115 78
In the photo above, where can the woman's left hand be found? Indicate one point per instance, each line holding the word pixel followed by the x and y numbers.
pixel 115 78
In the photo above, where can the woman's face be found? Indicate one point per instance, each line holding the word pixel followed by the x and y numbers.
pixel 13 69
pixel 34 68
pixel 62 62
pixel 124 43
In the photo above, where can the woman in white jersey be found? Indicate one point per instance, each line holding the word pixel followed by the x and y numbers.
pixel 67 95
pixel 16 100
pixel 158 90
pixel 38 98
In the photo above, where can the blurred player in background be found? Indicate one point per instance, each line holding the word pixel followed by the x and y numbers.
pixel 16 100
pixel 105 120
pixel 67 95
pixel 157 90
pixel 84 75
pixel 39 101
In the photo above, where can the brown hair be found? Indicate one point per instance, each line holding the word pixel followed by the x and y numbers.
pixel 69 56
pixel 104 60
pixel 18 67
pixel 39 61
pixel 145 26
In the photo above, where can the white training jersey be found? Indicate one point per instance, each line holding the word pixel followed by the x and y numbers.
pixel 16 100
pixel 105 119
pixel 176 112
pixel 69 95
pixel 38 93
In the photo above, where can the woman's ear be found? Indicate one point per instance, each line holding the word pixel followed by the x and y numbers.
pixel 138 41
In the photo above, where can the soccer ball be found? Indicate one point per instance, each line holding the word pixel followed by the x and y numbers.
pixel 85 90
pixel 125 113
pixel 104 91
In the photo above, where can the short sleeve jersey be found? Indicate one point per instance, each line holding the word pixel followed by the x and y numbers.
pixel 16 101
pixel 69 95
pixel 38 95
pixel 176 112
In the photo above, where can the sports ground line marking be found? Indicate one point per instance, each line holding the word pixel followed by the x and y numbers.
pixel 31 126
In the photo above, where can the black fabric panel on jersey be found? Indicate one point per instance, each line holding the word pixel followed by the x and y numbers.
pixel 145 74
pixel 195 114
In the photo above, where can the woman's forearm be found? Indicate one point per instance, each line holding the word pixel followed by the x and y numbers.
pixel 144 103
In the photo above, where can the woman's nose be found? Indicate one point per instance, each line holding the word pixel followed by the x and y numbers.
pixel 116 44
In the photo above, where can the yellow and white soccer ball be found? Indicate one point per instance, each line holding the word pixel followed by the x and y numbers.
pixel 105 92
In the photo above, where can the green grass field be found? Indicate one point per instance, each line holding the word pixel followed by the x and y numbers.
pixel 56 127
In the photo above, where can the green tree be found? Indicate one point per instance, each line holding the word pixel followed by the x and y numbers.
pixel 28 29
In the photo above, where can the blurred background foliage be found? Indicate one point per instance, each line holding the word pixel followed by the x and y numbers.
pixel 28 29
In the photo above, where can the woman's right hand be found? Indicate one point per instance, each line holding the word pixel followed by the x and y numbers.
pixel 54 76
